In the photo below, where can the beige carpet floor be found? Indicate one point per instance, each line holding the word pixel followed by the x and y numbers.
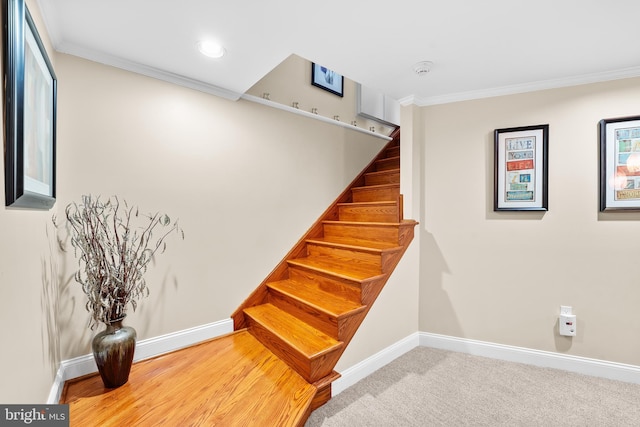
pixel 430 387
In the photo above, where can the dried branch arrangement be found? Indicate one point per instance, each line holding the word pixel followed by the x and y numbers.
pixel 114 244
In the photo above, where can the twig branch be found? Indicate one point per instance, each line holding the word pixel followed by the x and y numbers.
pixel 113 255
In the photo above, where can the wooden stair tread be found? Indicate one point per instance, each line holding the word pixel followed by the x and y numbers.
pixel 389 159
pixel 316 298
pixel 307 340
pixel 232 380
pixel 344 269
pixel 384 172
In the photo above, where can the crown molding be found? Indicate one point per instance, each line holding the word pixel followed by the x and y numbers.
pixel 145 70
pixel 71 49
pixel 624 73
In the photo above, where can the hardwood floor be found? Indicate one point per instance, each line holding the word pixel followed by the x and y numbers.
pixel 229 381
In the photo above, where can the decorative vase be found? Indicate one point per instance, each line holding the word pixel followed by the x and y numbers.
pixel 113 351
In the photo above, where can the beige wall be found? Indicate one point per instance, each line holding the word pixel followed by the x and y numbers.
pixel 29 354
pixel 501 277
pixel 246 181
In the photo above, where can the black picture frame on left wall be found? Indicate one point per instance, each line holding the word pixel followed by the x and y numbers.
pixel 30 98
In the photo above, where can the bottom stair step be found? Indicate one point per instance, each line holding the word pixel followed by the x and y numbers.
pixel 310 352
pixel 325 311
pixel 229 381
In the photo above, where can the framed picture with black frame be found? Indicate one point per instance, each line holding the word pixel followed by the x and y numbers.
pixel 620 163
pixel 327 79
pixel 521 168
pixel 30 112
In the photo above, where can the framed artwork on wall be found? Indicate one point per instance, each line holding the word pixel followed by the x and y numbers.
pixel 521 168
pixel 327 79
pixel 30 113
pixel 620 164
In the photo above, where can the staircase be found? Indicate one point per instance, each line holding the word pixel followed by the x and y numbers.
pixel 310 306
pixel 278 365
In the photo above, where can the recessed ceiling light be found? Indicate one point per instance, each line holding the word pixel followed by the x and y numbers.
pixel 211 49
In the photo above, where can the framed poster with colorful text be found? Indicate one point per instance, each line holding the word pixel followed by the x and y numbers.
pixel 620 164
pixel 521 163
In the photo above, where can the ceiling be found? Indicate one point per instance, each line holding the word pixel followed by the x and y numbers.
pixel 478 48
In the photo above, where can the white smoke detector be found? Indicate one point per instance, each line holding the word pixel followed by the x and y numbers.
pixel 422 68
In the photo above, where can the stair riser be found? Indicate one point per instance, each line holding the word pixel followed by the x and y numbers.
pixel 380 178
pixel 340 327
pixel 338 286
pixel 347 255
pixel 368 232
pixel 386 164
pixel 311 370
pixel 319 320
pixel 368 213
pixel 351 291
pixel 375 194
pixel 393 151
pixel 323 393
pixel 322 396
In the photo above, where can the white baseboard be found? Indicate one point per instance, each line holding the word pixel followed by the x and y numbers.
pixel 152 347
pixel 145 349
pixel 355 373
pixel 546 359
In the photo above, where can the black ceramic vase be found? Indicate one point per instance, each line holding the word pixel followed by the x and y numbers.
pixel 113 351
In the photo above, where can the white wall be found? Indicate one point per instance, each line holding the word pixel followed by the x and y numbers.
pixel 501 277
